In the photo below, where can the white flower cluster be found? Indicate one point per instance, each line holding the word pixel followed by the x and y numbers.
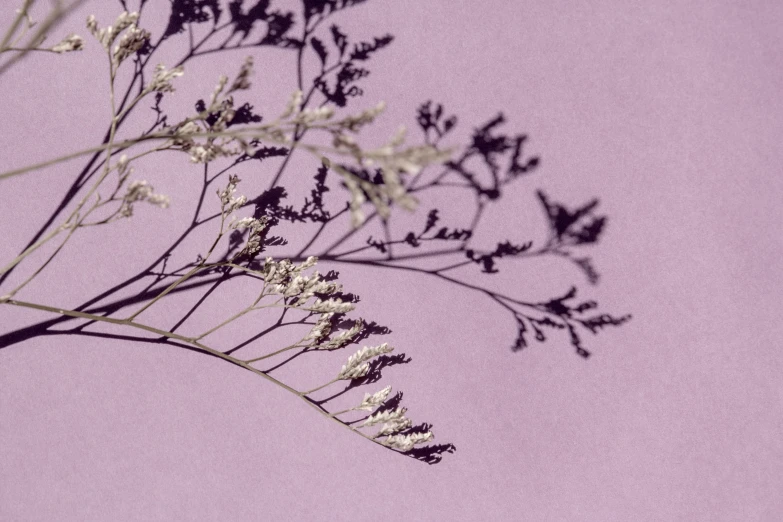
pixel 371 402
pixel 304 287
pixel 407 442
pixel 161 79
pixel 323 328
pixel 281 272
pixel 305 117
pixel 141 191
pixel 131 41
pixel 294 105
pixel 286 279
pixel 229 203
pixel 256 227
pixel 72 42
pixel 391 159
pixel 331 305
pixel 137 190
pixel 395 421
pixel 356 122
pixel 221 103
pixel 357 365
pixel 396 415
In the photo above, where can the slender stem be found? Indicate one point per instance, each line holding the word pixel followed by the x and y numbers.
pixel 250 132
pixel 44 265
pixel 28 50
pixel 342 411
pixel 21 13
pixel 32 248
pixel 224 323
pixel 165 292
pixel 319 387
pixel 185 277
pixel 204 348
pixel 281 350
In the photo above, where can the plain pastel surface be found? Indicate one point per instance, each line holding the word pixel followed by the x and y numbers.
pixel 668 111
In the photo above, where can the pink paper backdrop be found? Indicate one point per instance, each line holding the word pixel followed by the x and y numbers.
pixel 669 111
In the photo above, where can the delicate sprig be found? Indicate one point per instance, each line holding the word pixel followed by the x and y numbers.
pixel 377 178
pixel 357 365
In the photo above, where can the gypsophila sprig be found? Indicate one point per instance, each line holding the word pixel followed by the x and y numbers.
pixel 281 291
pixel 242 80
pixel 72 42
pixel 229 203
pixel 371 402
pixel 142 191
pixel 107 35
pixel 161 79
pixel 385 416
pixel 343 338
pixel 408 441
pixel 357 365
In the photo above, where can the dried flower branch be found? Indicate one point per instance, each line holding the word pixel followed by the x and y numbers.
pixel 378 179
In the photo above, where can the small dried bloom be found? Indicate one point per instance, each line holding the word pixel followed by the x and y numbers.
pixel 322 328
pixel 345 143
pixel 357 200
pixel 253 245
pixel 226 113
pixel 330 305
pixel 357 365
pixel 159 200
pixel 141 191
pixel 344 337
pixel 410 160
pixel 228 202
pixel 122 166
pixel 92 26
pixel 138 191
pixel 294 105
pixel 183 136
pixel 285 278
pixel 29 19
pixel 215 96
pixel 72 42
pixel 202 153
pixel 394 426
pixel 356 122
pixel 407 442
pixel 107 35
pixel 130 42
pixel 161 79
pixel 236 203
pixel 308 263
pixel 305 287
pixel 371 402
pixel 243 223
pixel 355 372
pixel 310 116
pixel 384 416
pixel 242 81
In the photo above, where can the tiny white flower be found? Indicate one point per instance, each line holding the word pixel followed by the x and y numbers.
pixel 72 42
pixel 357 365
pixel 371 402
pixel 407 442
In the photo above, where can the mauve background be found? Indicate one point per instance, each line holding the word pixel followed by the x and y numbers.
pixel 670 112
